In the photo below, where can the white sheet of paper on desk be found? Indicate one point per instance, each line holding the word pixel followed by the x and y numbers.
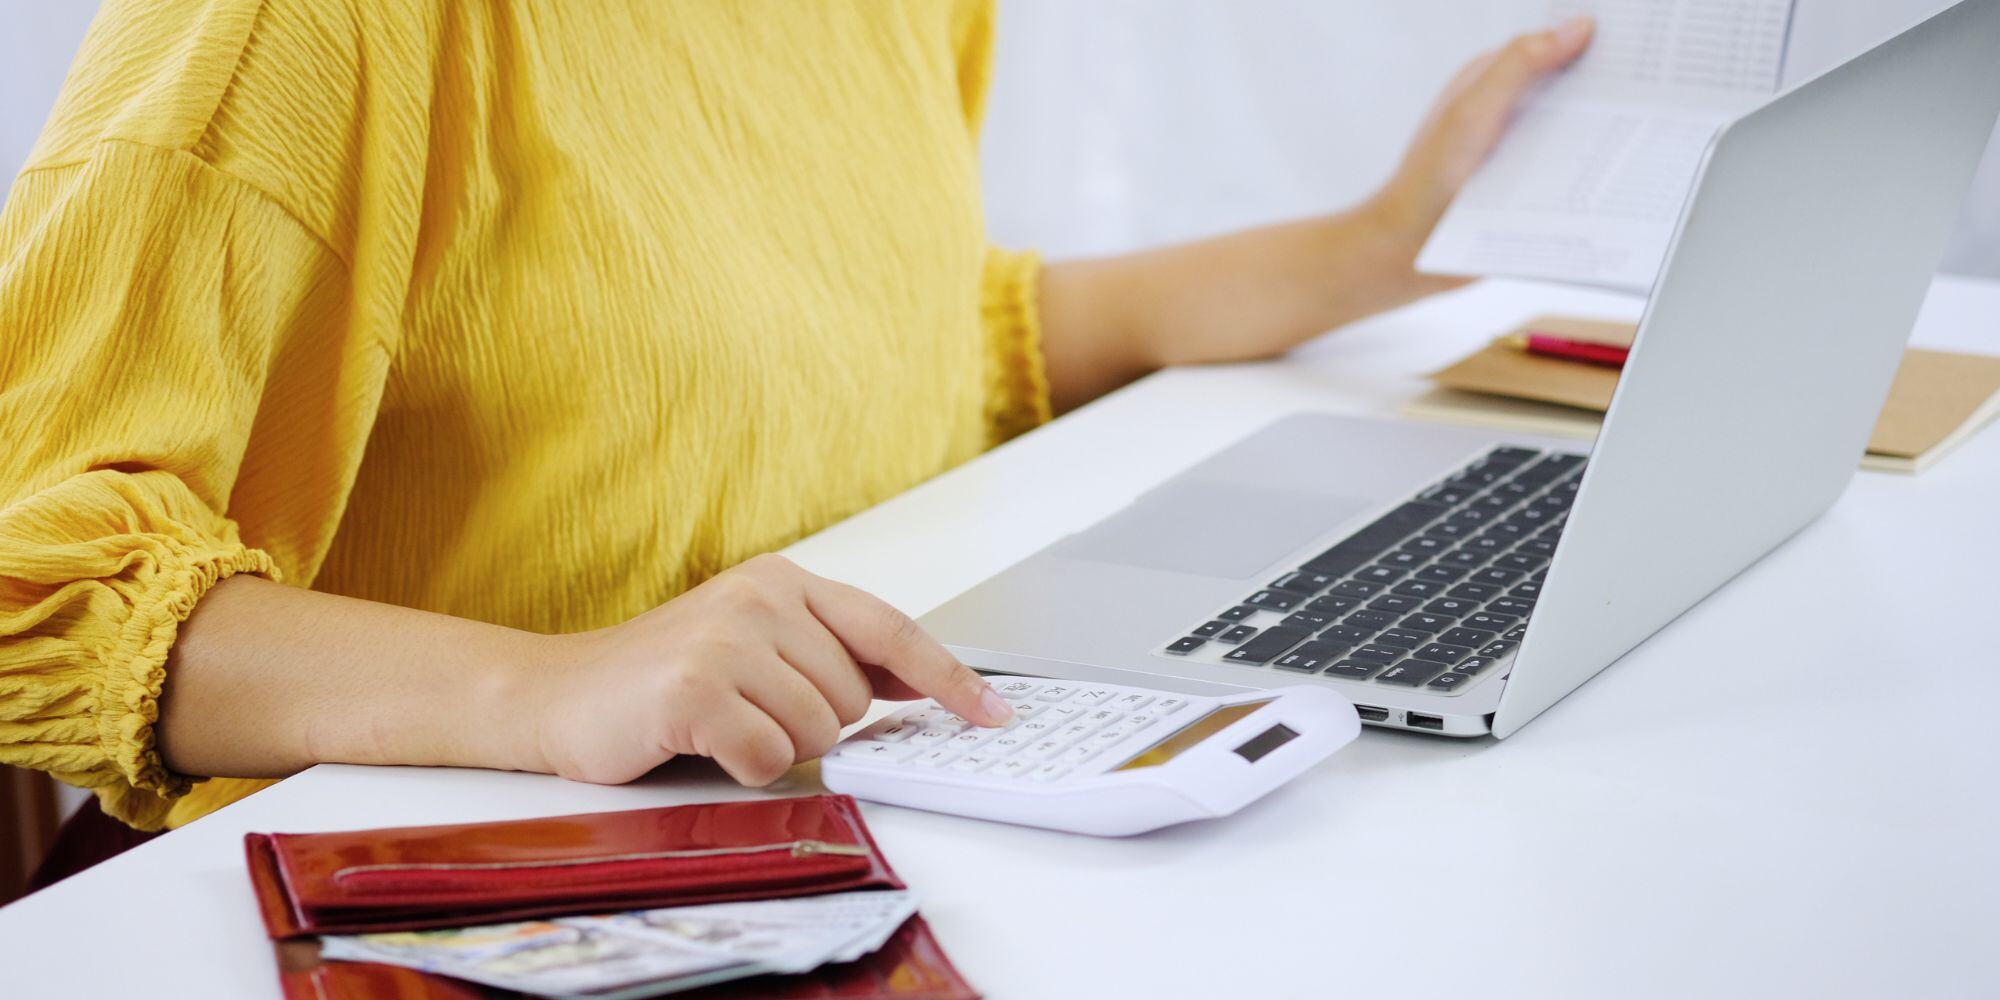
pixel 1587 185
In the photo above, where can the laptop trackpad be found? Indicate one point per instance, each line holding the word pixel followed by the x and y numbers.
pixel 1210 528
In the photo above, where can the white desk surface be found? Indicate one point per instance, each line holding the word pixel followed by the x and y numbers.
pixel 1789 791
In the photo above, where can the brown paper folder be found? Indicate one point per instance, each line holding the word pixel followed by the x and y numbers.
pixel 1938 400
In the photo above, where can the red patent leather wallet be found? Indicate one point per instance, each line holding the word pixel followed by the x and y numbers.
pixel 479 873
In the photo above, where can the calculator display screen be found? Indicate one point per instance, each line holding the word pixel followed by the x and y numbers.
pixel 1192 734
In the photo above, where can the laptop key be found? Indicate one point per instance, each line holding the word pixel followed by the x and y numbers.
pixel 1187 645
pixel 1450 681
pixel 1487 544
pixel 1331 604
pixel 1439 652
pixel 1370 620
pixel 1465 559
pixel 1439 573
pixel 1527 591
pixel 1380 573
pixel 1401 637
pixel 1308 620
pixel 1354 670
pixel 1426 544
pixel 1237 634
pixel 1473 591
pixel 1427 624
pixel 1236 614
pixel 1274 600
pixel 1514 634
pixel 1456 607
pixel 1382 654
pixel 1498 649
pixel 1358 549
pixel 1544 547
pixel 1511 455
pixel 1417 586
pixel 1345 634
pixel 1473 664
pixel 1448 494
pixel 1303 582
pixel 1394 602
pixel 1511 606
pixel 1212 628
pixel 1492 622
pixel 1467 637
pixel 1265 647
pixel 1523 561
pixel 1496 576
pixel 1356 588
pixel 1404 560
pixel 1410 673
pixel 1310 657
pixel 1448 530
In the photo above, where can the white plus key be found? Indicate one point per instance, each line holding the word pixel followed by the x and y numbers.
pixel 1096 696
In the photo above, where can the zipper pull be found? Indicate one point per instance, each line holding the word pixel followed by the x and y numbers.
pixel 807 848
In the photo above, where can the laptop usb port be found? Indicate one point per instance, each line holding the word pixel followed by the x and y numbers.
pixel 1370 713
pixel 1418 720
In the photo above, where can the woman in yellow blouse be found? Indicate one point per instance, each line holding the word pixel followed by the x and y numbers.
pixel 487 328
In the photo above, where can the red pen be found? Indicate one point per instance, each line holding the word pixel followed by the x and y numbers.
pixel 1570 350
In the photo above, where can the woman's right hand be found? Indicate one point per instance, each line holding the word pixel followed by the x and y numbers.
pixel 758 668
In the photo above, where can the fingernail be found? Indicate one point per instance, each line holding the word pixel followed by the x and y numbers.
pixel 1573 30
pixel 994 708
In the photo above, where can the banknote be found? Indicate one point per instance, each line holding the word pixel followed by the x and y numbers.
pixel 644 953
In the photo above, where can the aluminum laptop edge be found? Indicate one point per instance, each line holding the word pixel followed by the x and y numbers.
pixel 1764 356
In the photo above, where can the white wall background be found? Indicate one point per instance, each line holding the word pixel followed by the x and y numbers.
pixel 1122 123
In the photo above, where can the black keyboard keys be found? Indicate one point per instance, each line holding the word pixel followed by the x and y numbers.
pixel 1307 620
pixel 1401 637
pixel 1417 586
pixel 1467 637
pixel 1274 600
pixel 1383 654
pixel 1187 645
pixel 1237 614
pixel 1354 670
pixel 1331 604
pixel 1439 652
pixel 1511 606
pixel 1363 546
pixel 1210 629
pixel 1267 646
pixel 1473 664
pixel 1495 623
pixel 1425 623
pixel 1370 620
pixel 1237 634
pixel 1345 634
pixel 1448 681
pixel 1456 607
pixel 1410 673
pixel 1394 602
pixel 1303 582
pixel 1473 591
pixel 1356 588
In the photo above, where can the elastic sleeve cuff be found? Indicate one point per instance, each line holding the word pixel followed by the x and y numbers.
pixel 135 669
pixel 1017 378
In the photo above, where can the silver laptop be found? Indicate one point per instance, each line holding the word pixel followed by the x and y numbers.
pixel 1450 581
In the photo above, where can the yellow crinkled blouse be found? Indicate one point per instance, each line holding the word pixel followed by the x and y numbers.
pixel 534 313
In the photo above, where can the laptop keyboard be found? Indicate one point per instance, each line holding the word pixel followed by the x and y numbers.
pixel 1431 595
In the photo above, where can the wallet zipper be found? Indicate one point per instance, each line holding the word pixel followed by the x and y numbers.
pixel 797 849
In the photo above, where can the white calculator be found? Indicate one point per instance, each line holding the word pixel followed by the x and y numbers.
pixel 1093 758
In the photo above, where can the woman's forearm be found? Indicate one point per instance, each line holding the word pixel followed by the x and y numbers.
pixel 1248 294
pixel 266 680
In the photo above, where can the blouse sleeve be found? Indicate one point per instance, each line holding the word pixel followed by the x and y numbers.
pixel 1017 386
pixel 159 316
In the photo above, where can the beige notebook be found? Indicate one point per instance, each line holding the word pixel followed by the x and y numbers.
pixel 1938 400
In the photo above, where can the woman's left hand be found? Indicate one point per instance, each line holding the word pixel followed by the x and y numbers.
pixel 1464 125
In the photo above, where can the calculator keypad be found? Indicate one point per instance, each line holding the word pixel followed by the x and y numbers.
pixel 1060 730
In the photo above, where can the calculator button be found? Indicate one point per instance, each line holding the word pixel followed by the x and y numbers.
pixel 1008 743
pixel 1133 702
pixel 1168 706
pixel 1101 718
pixel 1017 689
pixel 875 751
pixel 888 731
pixel 1109 738
pixel 1056 692
pixel 1078 754
pixel 1076 731
pixel 1012 767
pixel 1060 714
pixel 1096 696
pixel 971 762
pixel 1044 749
pixel 1025 710
pixel 931 736
pixel 1134 723
pixel 934 758
pixel 1039 729
pixel 972 738
pixel 1050 771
